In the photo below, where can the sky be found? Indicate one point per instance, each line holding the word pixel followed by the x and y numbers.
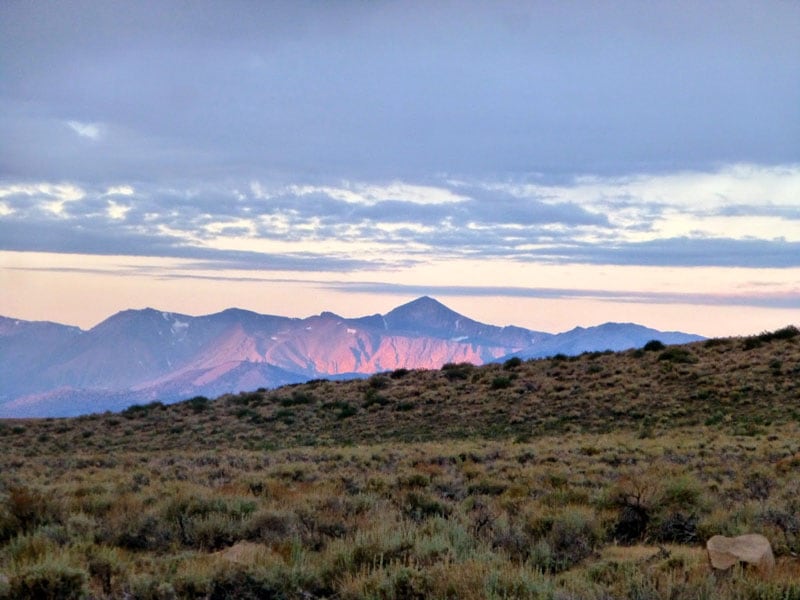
pixel 543 164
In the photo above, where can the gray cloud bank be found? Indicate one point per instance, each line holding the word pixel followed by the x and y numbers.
pixel 99 91
pixel 421 130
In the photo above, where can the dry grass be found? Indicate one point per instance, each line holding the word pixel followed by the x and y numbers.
pixel 566 483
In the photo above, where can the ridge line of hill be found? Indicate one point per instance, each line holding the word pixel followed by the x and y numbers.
pixel 741 385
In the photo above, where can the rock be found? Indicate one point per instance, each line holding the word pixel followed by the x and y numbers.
pixel 752 549
pixel 242 552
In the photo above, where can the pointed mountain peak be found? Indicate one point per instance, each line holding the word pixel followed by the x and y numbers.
pixel 326 314
pixel 139 320
pixel 423 303
pixel 425 314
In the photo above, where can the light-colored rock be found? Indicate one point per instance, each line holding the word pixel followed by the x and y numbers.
pixel 243 552
pixel 752 548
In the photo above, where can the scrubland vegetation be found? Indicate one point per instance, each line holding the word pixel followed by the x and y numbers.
pixel 594 477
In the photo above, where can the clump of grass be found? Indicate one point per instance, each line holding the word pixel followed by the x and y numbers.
pixel 198 403
pixel 676 354
pixel 456 371
pixel 500 383
pixel 755 341
pixel 50 579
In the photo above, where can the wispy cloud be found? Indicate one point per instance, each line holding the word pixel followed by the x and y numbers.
pixel 371 194
pixel 749 294
pixel 781 299
pixel 120 190
pixel 654 220
pixel 92 131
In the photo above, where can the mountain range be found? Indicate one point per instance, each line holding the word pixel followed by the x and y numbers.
pixel 134 356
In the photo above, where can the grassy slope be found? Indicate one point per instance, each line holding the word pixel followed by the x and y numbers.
pixel 719 384
pixel 467 482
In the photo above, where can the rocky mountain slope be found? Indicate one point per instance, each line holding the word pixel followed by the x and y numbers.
pixel 145 355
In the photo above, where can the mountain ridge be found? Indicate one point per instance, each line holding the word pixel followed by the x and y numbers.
pixel 146 354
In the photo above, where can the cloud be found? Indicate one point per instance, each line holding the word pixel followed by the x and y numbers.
pixel 781 299
pixel 65 191
pixel 378 91
pixel 640 219
pixel 692 252
pixel 92 131
pixel 117 211
pixel 372 194
pixel 50 198
pixel 120 190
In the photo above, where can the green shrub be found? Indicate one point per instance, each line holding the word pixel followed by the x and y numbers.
pixel 24 510
pixel 104 565
pixel 312 383
pixel 133 411
pixel 759 484
pixel 751 343
pixel 573 537
pixel 214 531
pixel 372 397
pixel 199 403
pixel 247 413
pixel 406 583
pixel 787 333
pixel 243 583
pixel 335 405
pixel 9 525
pixel 378 382
pixel 247 398
pixel 678 355
pixel 488 487
pixel 298 398
pixel 654 346
pixel 140 532
pixel 48 580
pixel 500 383
pixel 150 587
pixel 420 506
pixel 755 341
pixel 142 410
pixel 680 493
pixel 415 480
pixel 457 371
pixel 31 547
pixel 787 523
pixel 271 526
pixel 512 363
pixel 346 412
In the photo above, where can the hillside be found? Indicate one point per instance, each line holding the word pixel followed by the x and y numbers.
pixel 740 384
pixel 599 476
